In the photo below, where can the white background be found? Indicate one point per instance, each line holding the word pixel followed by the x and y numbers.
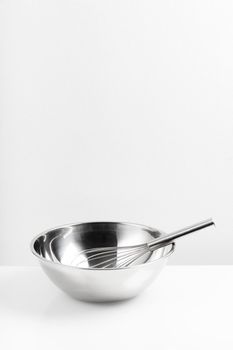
pixel 117 110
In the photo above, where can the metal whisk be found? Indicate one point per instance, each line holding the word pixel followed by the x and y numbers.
pixel 120 257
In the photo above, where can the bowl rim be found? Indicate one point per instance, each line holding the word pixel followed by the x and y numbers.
pixel 43 233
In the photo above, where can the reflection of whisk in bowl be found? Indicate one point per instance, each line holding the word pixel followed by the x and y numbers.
pixel 105 261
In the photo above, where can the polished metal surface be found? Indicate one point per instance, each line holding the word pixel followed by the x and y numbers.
pixel 58 249
pixel 180 233
pixel 119 257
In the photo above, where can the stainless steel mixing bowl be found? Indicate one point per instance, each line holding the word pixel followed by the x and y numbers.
pixel 58 248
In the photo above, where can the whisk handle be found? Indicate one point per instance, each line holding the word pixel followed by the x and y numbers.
pixel 177 234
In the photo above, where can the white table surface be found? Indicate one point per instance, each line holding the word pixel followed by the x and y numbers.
pixel 187 307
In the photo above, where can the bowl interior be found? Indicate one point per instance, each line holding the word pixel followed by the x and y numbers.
pixel 66 244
